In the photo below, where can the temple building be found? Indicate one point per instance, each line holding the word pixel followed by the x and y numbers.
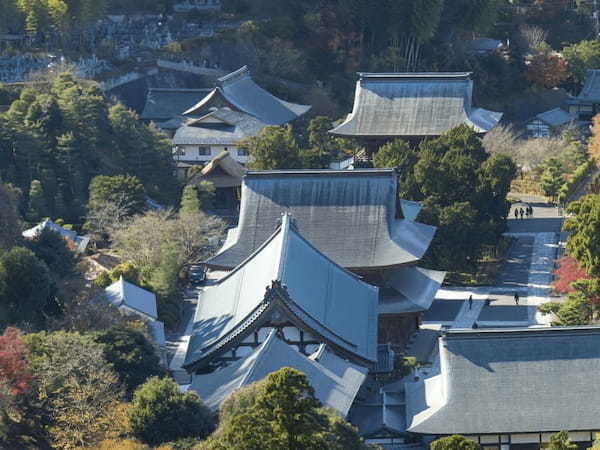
pixel 412 106
pixel 288 305
pixel 237 108
pixel 587 104
pixel 353 217
pixel 510 388
pixel 320 275
pixel 549 123
pixel 200 140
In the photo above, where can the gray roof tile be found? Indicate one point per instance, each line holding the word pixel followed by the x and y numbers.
pixel 329 299
pixel 335 380
pixel 165 104
pixel 239 91
pixel 410 289
pixel 414 104
pixel 510 381
pixel 591 89
pixel 349 215
pixel 220 127
pixel 555 117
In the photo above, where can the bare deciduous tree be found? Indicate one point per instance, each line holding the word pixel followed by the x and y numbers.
pixel 532 37
pixel 501 140
pixel 108 217
pixel 146 239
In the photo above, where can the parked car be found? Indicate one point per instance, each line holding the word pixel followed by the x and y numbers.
pixel 197 273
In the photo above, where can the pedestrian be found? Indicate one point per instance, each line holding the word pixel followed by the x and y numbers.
pixel 470 301
pixel 526 212
pixel 516 298
pixel 531 211
pixel 521 212
pixel 516 213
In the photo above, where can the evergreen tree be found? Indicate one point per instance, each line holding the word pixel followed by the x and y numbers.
pixel 206 194
pixel 26 287
pixel 552 178
pixel 125 190
pixel 131 355
pixel 37 207
pixel 189 201
pixel 583 242
pixel 561 441
pixel 273 148
pixel 160 413
pixel 392 154
pixel 454 442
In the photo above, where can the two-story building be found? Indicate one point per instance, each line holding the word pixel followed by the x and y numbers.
pixel 236 109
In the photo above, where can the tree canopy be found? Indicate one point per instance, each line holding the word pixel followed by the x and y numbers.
pixel 131 355
pixel 55 139
pixel 463 190
pixel 273 148
pixel 160 413
pixel 584 241
pixel 26 287
pixel 280 412
pixel 454 442
pixel 76 391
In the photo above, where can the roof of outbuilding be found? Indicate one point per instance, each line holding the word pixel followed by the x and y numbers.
pixel 165 104
pixel 240 92
pixel 510 381
pixel 329 299
pixel 349 215
pixel 591 88
pixel 219 127
pixel 125 294
pixel 414 104
pixel 335 380
pixel 79 242
pixel 555 117
pixel 223 171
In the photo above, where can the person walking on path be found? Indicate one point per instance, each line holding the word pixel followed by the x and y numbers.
pixel 530 211
pixel 470 301
pixel 516 213
pixel 527 212
pixel 516 298
pixel 521 212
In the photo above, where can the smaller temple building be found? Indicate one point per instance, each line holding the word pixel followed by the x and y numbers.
pixel 237 108
pixel 510 388
pixel 412 106
pixel 548 123
pixel 226 175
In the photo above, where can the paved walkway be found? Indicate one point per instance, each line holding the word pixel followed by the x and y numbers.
pixel 527 272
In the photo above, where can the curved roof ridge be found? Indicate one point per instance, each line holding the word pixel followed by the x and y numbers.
pixel 234 76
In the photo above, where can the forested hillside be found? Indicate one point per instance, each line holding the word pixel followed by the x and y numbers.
pixel 56 137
